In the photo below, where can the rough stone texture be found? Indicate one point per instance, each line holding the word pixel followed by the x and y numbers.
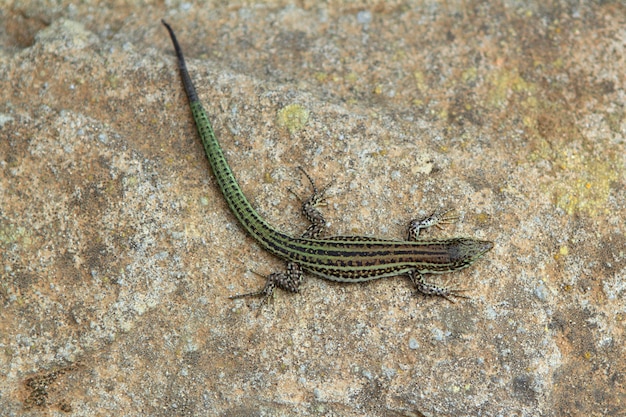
pixel 118 252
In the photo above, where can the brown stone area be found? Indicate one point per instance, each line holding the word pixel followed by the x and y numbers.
pixel 117 250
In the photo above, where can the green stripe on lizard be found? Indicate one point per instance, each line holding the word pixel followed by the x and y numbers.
pixel 337 258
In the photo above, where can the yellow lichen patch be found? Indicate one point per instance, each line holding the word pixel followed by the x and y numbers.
pixel 587 187
pixel 321 76
pixel 420 81
pixel 579 179
pixel 11 233
pixel 293 117
pixel 352 77
pixel 399 55
pixel 482 218
pixel 563 251
pixel 267 178
pixel 469 75
pixel 505 82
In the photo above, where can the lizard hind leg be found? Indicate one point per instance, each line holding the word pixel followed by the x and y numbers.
pixel 288 281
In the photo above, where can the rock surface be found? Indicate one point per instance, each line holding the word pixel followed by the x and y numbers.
pixel 118 252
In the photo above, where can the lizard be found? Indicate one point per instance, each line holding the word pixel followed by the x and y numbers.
pixel 337 258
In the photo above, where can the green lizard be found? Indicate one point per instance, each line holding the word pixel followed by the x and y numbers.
pixel 336 258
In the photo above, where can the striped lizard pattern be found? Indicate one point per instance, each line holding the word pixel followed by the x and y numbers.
pixel 336 258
